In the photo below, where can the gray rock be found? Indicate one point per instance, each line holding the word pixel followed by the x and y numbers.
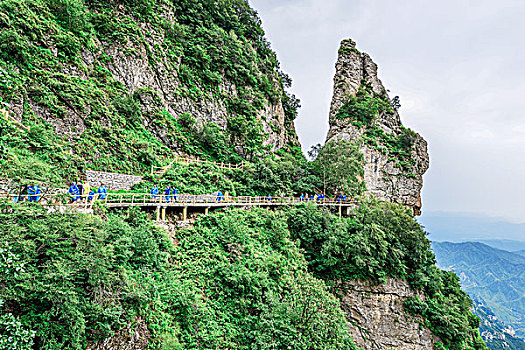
pixel 113 181
pixel 135 336
pixel 383 179
pixel 377 318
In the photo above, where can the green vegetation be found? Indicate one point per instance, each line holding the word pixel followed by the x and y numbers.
pixel 383 240
pixel 57 66
pixel 285 175
pixel 235 280
pixel 346 49
pixel 340 166
pixel 363 109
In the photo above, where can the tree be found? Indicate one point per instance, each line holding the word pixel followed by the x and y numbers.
pixel 314 152
pixel 396 103
pixel 340 165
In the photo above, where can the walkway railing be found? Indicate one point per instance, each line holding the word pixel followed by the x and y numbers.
pixel 155 170
pixel 148 200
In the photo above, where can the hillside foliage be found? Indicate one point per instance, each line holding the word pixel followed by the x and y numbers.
pixel 382 240
pixel 57 68
pixel 235 280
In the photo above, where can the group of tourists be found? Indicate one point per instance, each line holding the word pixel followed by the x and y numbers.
pixel 79 190
pixel 170 194
pixel 305 197
pixel 34 193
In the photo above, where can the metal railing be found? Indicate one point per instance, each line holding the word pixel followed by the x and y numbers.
pixel 147 199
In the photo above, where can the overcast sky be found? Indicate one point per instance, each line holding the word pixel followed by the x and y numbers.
pixel 458 67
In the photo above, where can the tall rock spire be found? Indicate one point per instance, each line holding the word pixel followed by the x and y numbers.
pixel 362 112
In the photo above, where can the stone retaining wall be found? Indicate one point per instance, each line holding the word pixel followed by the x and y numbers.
pixel 113 181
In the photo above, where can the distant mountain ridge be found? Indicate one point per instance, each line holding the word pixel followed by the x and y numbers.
pixel 494 277
pixel 462 227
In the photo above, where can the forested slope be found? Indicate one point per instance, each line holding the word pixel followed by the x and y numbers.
pixel 495 277
pixel 122 85
pixel 237 279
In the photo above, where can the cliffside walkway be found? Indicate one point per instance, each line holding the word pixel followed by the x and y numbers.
pixel 159 171
pixel 185 202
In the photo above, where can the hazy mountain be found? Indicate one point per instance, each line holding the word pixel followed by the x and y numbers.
pixel 494 277
pixel 461 227
pixel 505 244
pixel 520 252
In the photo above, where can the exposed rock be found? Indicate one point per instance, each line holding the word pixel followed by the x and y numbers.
pixel 113 181
pixel 384 180
pixel 133 337
pixel 377 317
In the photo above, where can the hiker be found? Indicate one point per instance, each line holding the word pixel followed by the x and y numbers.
pixel 154 192
pixel 73 192
pixel 301 198
pixel 16 197
pixel 220 196
pixel 269 198
pixel 38 192
pixel 80 189
pixel 167 193
pixel 87 189
pixel 91 194
pixel 102 192
pixel 30 193
pixel 175 193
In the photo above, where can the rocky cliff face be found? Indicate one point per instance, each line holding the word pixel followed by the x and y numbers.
pixel 123 85
pixel 155 81
pixel 395 158
pixel 377 317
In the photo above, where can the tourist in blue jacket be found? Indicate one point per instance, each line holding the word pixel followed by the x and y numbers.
pixel 167 193
pixel 74 192
pixel 154 192
pixel 175 193
pixel 38 192
pixel 102 192
pixel 31 193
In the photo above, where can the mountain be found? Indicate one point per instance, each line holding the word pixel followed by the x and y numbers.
pixel 460 227
pixel 494 277
pixel 517 247
pixel 124 86
pixel 520 252
pixel 497 334
pixel 362 112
